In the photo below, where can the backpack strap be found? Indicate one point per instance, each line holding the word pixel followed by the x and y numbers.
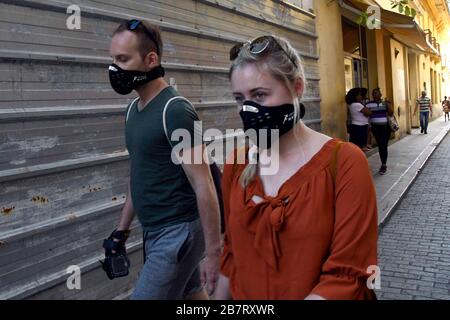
pixel 333 166
pixel 216 174
pixel 165 110
pixel 129 109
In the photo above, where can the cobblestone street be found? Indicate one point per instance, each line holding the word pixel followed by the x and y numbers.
pixel 414 245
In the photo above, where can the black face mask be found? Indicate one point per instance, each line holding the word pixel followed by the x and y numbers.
pixel 125 81
pixel 257 117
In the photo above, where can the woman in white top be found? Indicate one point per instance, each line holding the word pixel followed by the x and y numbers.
pixel 359 116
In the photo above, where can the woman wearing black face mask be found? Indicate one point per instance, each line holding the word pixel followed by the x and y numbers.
pixel 307 230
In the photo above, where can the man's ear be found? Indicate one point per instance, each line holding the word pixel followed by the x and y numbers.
pixel 151 60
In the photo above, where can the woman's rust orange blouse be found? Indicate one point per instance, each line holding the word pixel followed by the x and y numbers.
pixel 317 236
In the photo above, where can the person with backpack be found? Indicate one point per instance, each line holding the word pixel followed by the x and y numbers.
pixel 176 204
pixel 307 230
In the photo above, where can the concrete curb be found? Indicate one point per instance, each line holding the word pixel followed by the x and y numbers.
pixel 432 146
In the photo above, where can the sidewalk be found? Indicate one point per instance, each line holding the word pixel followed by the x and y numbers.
pixel 406 158
pixel 413 246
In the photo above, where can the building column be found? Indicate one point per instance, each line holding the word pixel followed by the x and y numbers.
pixel 414 87
pixel 331 68
pixel 380 54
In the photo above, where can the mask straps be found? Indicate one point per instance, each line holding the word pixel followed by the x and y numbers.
pixel 157 72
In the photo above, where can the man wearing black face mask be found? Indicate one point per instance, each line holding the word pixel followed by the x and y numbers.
pixel 176 205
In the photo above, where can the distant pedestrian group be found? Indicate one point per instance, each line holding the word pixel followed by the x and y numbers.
pixel 366 116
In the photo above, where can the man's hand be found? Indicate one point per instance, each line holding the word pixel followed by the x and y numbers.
pixel 199 176
pixel 120 236
pixel 116 263
pixel 210 272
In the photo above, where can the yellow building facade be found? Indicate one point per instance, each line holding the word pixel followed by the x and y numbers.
pixel 399 54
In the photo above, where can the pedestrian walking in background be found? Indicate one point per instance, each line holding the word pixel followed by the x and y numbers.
pixel 425 107
pixel 446 108
pixel 380 126
pixel 309 231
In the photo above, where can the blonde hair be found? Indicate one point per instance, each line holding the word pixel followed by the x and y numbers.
pixel 281 67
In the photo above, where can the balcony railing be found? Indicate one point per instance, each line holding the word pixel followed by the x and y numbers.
pixel 445 61
pixel 432 40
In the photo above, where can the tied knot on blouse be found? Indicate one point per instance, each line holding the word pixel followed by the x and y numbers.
pixel 265 219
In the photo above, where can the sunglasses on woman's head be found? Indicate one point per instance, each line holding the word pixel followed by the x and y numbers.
pixel 134 24
pixel 257 47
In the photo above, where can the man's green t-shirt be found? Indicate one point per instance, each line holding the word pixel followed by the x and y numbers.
pixel 160 190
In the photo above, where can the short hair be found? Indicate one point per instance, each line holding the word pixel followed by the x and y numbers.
pixel 145 43
pixel 352 94
pixel 375 90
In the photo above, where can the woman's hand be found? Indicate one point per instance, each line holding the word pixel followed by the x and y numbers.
pixel 223 289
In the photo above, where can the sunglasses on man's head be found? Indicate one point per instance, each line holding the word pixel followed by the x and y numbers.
pixel 257 47
pixel 134 24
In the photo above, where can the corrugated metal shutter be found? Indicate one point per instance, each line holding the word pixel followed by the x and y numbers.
pixel 63 163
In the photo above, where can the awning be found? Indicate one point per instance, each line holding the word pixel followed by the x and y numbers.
pixel 403 28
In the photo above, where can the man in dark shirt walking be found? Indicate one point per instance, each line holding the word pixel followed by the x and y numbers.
pixel 176 204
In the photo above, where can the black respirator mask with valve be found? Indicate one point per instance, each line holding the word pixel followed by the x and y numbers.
pixel 258 117
pixel 125 81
